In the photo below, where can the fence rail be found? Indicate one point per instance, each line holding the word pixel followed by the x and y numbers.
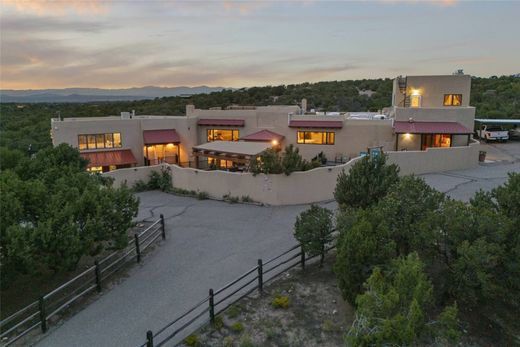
pixel 221 299
pixel 55 302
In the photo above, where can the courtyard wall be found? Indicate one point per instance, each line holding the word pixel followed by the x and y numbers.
pixel 299 187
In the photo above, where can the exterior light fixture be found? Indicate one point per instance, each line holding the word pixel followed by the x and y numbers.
pixel 407 136
pixel 274 142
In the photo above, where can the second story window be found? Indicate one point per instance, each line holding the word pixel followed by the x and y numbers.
pixel 223 135
pixel 452 99
pixel 99 141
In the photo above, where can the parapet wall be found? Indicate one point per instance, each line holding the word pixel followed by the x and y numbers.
pixel 299 187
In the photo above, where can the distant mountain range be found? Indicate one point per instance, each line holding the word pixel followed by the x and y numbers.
pixel 98 94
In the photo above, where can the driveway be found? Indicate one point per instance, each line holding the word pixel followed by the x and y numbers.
pixel 208 244
pixel 463 184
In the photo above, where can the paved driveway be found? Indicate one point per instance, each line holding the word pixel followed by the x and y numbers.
pixel 463 184
pixel 208 244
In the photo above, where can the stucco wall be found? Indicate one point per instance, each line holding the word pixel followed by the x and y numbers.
pixel 462 115
pixel 436 159
pixel 300 187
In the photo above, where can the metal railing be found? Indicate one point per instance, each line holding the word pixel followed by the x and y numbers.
pixel 221 299
pixel 58 300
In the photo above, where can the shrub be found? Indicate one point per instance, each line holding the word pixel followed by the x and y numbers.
pixel 227 341
pixel 280 301
pixel 394 308
pixel 202 195
pixel 218 323
pixel 366 183
pixel 237 327
pixel 140 186
pixel 192 340
pixel 160 181
pixel 233 311
pixel 245 341
pixel 313 230
pixel 246 198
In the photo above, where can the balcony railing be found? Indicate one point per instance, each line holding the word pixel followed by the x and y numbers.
pixel 168 160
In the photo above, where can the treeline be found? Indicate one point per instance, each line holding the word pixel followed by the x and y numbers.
pixel 26 127
pixel 419 267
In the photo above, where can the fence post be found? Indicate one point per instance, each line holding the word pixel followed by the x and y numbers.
pixel 149 338
pixel 211 306
pixel 43 314
pixel 260 276
pixel 137 249
pixel 302 257
pixel 163 232
pixel 98 276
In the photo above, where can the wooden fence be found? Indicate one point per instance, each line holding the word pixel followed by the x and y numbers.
pixel 39 313
pixel 219 300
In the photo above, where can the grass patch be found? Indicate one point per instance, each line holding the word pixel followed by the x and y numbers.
pixel 237 327
pixel 233 311
pixel 192 340
pixel 280 301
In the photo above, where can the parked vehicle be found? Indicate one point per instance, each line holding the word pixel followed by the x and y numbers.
pixel 514 134
pixel 492 133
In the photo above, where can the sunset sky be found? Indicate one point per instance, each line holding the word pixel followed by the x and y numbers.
pixel 119 44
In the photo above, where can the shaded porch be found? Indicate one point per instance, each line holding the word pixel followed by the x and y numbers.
pixel 226 155
pixel 161 146
pixel 419 136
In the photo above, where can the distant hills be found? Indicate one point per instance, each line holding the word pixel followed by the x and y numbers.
pixel 97 94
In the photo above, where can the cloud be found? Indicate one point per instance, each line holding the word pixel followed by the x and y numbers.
pixel 31 25
pixel 442 3
pixel 59 7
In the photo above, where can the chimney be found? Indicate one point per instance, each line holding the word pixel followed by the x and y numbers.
pixel 304 105
pixel 133 114
pixel 190 108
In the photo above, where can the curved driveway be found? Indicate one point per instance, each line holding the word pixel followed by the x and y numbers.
pixel 208 243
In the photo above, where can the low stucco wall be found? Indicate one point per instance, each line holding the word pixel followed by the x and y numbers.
pixel 300 187
pixel 133 174
pixel 436 159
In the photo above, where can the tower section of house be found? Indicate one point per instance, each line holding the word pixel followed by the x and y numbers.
pixel 432 111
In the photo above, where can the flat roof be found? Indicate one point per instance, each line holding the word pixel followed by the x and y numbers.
pixel 498 121
pixel 234 147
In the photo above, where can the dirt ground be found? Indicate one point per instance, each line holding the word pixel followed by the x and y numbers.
pixel 316 314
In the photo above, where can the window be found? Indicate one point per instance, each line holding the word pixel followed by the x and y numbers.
pixel 436 140
pixel 95 169
pixel 82 142
pixel 315 137
pixel 415 100
pixel 223 135
pixel 452 99
pixel 99 141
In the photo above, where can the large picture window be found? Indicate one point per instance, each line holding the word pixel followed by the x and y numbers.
pixel 452 99
pixel 223 135
pixel 99 141
pixel 315 137
pixel 435 140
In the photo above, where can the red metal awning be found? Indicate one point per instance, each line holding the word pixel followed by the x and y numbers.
pixel 106 158
pixel 316 124
pixel 221 122
pixel 263 135
pixel 152 137
pixel 430 128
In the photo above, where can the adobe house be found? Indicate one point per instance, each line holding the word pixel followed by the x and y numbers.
pixel 426 112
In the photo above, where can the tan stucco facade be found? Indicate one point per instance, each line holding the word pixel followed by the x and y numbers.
pixel 352 136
